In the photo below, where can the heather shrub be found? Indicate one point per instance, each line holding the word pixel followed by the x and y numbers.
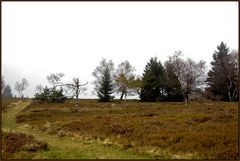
pixel 14 143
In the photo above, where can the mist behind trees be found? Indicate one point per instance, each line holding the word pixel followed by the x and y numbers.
pixel 176 79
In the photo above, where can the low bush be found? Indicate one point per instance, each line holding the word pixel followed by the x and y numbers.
pixel 50 95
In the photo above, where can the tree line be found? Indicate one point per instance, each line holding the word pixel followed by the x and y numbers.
pixel 20 86
pixel 174 80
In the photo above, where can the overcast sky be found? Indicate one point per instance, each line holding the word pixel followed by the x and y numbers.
pixel 39 38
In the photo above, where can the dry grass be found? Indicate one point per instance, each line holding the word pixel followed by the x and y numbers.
pixel 170 130
pixel 19 144
pixel 9 102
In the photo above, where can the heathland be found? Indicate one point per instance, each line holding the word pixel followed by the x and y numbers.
pixel 119 129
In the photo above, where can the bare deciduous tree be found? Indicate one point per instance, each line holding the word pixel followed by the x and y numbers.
pixel 39 88
pixel 74 88
pixel 21 86
pixel 191 74
pixel 55 78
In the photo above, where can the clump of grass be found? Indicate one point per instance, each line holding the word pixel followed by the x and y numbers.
pixel 14 143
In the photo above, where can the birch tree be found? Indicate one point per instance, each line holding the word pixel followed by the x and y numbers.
pixel 75 88
pixel 124 77
pixel 191 74
pixel 21 86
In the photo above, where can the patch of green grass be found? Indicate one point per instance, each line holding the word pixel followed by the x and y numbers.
pixel 8 116
pixel 92 150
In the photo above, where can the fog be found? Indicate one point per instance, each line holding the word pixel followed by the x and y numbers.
pixel 39 38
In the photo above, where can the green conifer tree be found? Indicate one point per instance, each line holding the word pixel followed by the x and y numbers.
pixel 153 82
pixel 106 87
pixel 173 88
pixel 223 75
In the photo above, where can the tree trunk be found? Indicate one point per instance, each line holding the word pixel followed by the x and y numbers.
pixel 77 97
pixel 121 96
pixel 125 97
pixel 229 96
pixel 235 93
pixel 76 104
pixel 229 90
pixel 186 99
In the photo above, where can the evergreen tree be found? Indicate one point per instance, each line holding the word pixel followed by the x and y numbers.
pixel 222 77
pixel 173 88
pixel 50 95
pixel 7 92
pixel 104 83
pixel 106 86
pixel 153 82
pixel 56 95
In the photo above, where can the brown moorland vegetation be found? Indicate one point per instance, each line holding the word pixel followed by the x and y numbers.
pixel 207 130
pixel 16 145
pixel 9 102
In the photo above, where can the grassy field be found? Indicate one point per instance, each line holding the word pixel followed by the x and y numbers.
pixel 58 147
pixel 129 129
pixel 9 102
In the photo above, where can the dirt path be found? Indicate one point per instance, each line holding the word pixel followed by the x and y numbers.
pixel 65 147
